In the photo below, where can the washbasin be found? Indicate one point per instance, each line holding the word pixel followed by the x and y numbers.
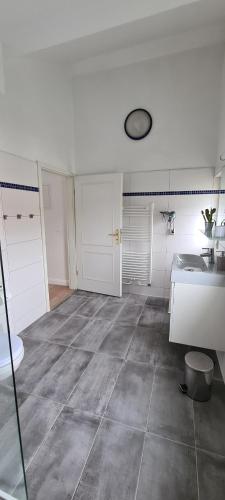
pixel 192 269
pixel 190 262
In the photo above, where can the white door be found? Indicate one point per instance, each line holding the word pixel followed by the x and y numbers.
pixel 98 225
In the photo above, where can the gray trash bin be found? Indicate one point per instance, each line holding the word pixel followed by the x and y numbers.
pixel 198 376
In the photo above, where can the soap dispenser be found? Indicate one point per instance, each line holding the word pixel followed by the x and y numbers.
pixel 221 260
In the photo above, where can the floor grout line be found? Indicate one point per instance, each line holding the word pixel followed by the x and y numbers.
pixel 41 444
pixel 44 439
pixel 123 424
pixel 75 387
pixel 129 344
pixel 87 458
pixel 143 448
pixel 100 425
pixel 204 450
pixel 150 433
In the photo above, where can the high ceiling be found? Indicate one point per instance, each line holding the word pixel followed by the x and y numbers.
pixel 76 32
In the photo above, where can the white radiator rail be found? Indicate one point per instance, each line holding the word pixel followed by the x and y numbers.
pixel 137 236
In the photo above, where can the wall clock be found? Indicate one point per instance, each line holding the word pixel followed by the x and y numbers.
pixel 138 124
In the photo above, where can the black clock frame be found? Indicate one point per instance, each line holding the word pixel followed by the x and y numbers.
pixel 146 132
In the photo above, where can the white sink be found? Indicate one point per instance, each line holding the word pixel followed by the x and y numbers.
pixel 190 262
pixel 192 269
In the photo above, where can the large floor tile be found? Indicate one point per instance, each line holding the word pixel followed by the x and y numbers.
pixel 86 492
pixel 129 314
pixel 110 310
pixel 143 345
pixel 7 404
pixel 155 317
pixel 116 300
pixel 151 346
pixel 209 421
pixel 171 412
pixel 55 470
pixel 117 340
pixel 95 387
pixel 136 299
pixel 211 476
pixel 91 307
pixel 61 379
pixel 71 305
pixel 11 471
pixel 92 335
pixel 45 327
pixel 37 415
pixel 168 471
pixel 34 367
pixel 160 302
pixel 130 399
pixel 69 331
pixel 113 465
pixel 89 295
pixel 30 346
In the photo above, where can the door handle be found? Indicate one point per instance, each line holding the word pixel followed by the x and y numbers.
pixel 116 235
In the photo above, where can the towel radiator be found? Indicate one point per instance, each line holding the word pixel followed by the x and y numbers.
pixel 137 234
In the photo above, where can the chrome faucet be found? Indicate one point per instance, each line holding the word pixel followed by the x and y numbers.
pixel 209 254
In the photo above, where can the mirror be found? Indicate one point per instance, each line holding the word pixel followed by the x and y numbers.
pixel 221 206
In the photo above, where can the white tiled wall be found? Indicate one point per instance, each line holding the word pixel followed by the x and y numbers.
pixel 221 246
pixel 187 237
pixel 21 244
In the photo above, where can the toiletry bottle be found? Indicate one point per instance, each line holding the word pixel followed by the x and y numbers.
pixel 220 261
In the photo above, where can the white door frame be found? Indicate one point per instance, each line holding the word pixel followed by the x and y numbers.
pixel 71 243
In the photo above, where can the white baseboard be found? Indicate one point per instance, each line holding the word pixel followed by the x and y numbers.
pixel 58 282
pixel 221 359
pixel 146 291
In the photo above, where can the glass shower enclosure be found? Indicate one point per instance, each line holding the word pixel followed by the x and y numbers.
pixel 12 475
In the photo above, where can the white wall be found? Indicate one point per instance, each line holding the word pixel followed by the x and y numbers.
pixel 36 112
pixel 2 76
pixel 221 245
pixel 221 135
pixel 54 194
pixel 181 91
pixel 187 237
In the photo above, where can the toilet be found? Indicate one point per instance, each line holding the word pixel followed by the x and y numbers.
pixel 5 359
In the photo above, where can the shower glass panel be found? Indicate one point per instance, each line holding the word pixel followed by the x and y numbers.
pixel 12 477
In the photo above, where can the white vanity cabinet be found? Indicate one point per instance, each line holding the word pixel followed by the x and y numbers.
pixel 197 315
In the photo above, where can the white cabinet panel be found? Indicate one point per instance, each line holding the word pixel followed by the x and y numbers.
pixel 25 278
pixel 198 316
pixel 25 229
pixel 16 201
pixel 24 254
pixel 5 264
pixel 1 211
pixel 2 234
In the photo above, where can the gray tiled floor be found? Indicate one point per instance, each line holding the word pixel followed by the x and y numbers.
pixel 100 410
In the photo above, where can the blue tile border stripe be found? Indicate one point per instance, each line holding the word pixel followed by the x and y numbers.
pixel 10 185
pixel 175 193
